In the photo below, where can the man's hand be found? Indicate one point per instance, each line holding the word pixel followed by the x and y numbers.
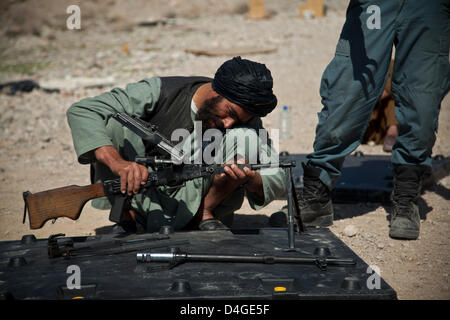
pixel 132 175
pixel 250 179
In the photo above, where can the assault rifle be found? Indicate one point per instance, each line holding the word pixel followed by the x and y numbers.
pixel 69 201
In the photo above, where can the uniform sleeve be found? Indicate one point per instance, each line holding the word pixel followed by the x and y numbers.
pixel 274 188
pixel 88 118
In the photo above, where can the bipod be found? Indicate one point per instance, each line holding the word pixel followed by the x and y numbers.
pixel 292 201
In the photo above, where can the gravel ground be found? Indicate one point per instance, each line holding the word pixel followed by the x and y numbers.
pixel 35 142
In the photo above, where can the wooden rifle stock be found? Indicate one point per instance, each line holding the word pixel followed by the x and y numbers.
pixel 60 202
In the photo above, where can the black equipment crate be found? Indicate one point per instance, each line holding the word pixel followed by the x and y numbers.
pixel 367 178
pixel 27 272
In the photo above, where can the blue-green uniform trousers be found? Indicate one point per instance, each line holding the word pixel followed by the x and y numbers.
pixel 354 80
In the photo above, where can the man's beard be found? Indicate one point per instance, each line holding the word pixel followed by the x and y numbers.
pixel 207 114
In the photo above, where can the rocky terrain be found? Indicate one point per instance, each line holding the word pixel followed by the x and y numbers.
pixel 120 42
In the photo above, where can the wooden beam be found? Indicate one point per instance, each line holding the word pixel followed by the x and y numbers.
pixel 315 6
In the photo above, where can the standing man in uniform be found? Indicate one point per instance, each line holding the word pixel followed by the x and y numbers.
pixel 352 84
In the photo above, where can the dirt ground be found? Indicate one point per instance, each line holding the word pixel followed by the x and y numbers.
pixel 36 151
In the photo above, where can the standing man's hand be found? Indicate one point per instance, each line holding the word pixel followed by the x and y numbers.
pixel 132 175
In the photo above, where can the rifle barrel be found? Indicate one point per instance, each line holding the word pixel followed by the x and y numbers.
pixel 267 259
pixel 218 168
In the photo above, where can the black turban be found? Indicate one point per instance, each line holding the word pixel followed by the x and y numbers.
pixel 246 83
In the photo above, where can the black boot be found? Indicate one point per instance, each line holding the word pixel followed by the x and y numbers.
pixel 314 200
pixel 405 219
